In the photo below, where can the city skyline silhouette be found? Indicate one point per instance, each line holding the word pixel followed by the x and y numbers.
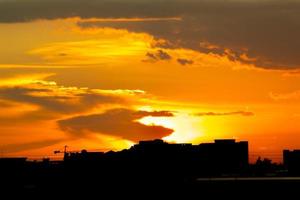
pixel 154 165
pixel 188 98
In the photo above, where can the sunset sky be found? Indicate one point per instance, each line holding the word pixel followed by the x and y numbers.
pixel 104 74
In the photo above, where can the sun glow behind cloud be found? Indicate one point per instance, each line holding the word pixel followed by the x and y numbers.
pixel 141 65
pixel 186 128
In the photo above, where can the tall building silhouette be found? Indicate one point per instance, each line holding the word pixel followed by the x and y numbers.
pixel 291 161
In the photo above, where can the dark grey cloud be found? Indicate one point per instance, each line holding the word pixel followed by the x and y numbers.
pixel 164 113
pixel 184 61
pixel 265 30
pixel 162 55
pixel 28 10
pixel 157 56
pixel 242 113
pixel 117 122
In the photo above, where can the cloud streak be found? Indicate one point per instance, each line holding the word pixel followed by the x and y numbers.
pixel 65 100
pixel 13 148
pixel 242 113
pixel 285 96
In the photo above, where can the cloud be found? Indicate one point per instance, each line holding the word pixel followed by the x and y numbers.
pixel 12 148
pixel 184 61
pixel 60 99
pixel 242 113
pixel 158 55
pixel 23 11
pixel 285 96
pixel 291 73
pixel 6 104
pixel 162 55
pixel 119 123
pixel 33 100
pixel 142 114
pixel 94 51
pixel 264 33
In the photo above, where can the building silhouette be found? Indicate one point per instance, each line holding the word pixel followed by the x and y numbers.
pixel 155 156
pixel 151 168
pixel 291 161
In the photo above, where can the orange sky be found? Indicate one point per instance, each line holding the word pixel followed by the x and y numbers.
pixel 105 82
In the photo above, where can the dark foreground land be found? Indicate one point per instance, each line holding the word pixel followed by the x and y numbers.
pixel 143 187
pixel 133 180
pixel 152 169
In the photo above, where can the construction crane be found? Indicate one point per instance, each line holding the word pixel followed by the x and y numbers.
pixel 59 151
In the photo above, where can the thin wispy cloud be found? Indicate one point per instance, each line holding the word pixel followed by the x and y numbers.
pixel 241 113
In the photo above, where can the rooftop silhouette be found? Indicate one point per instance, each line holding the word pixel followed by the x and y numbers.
pixel 222 156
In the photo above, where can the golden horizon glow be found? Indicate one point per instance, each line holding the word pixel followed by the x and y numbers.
pixel 59 71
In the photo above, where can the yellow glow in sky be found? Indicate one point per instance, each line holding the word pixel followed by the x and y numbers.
pixel 59 70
